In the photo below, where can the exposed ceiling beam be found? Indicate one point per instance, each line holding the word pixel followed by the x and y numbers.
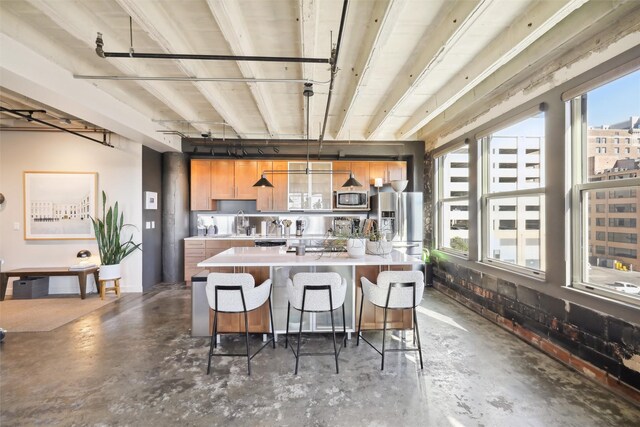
pixel 154 20
pixel 83 25
pixel 498 93
pixel 529 27
pixel 432 48
pixel 234 29
pixel 30 74
pixel 372 46
pixel 308 12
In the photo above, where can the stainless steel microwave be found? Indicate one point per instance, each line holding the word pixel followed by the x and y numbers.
pixel 352 200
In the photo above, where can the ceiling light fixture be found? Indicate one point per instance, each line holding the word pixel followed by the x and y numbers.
pixel 264 182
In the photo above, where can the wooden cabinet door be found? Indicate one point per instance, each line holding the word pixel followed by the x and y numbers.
pixel 280 183
pixel 222 179
pixel 246 174
pixel 361 173
pixel 341 178
pixel 264 202
pixel 373 316
pixel 377 170
pixel 200 185
pixel 258 319
pixel 396 170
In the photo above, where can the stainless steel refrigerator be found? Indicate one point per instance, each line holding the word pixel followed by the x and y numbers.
pixel 399 217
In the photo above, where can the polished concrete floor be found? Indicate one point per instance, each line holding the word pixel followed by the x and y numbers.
pixel 134 363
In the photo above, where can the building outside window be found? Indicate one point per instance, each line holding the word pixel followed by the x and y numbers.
pixel 452 201
pixel 605 250
pixel 513 196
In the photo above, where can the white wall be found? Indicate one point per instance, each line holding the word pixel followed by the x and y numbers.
pixel 119 175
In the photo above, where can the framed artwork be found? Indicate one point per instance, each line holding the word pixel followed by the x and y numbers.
pixel 150 200
pixel 58 205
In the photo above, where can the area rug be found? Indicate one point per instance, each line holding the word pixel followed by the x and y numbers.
pixel 46 314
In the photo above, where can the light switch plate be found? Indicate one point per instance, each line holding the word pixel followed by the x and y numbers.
pixel 153 224
pixel 16 226
pixel 147 225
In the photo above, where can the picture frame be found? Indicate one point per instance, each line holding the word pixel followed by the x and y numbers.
pixel 59 205
pixel 150 200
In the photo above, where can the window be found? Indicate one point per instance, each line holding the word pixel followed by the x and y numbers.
pixel 513 195
pixel 621 222
pixel 452 200
pixel 623 237
pixel 605 256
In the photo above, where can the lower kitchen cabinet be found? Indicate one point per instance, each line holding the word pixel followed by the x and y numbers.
pixel 373 316
pixel 196 251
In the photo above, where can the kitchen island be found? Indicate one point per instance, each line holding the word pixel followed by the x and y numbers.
pixel 278 264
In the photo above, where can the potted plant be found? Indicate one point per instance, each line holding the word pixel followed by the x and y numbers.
pixel 428 267
pixel 112 248
pixel 377 244
pixel 354 243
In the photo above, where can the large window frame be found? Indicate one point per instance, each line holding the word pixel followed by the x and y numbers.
pixel 442 201
pixel 488 198
pixel 576 112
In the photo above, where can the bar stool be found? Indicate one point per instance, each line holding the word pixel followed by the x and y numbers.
pixel 235 293
pixel 102 286
pixel 408 288
pixel 316 292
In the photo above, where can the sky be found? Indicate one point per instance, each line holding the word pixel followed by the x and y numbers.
pixel 614 102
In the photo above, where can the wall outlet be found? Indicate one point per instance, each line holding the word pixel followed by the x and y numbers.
pixel 153 224
pixel 16 226
pixel 147 225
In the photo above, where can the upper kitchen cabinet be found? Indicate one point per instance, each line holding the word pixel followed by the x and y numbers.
pixel 234 179
pixel 388 171
pixel 311 191
pixel 246 174
pixel 201 199
pixel 273 199
pixel 360 171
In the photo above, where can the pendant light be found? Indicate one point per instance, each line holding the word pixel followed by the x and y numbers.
pixel 264 182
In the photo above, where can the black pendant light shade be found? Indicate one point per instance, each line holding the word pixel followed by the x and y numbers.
pixel 263 182
pixel 352 182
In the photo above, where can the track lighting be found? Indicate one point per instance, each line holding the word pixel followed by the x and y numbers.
pixel 195 150
pixel 276 150
pixel 260 151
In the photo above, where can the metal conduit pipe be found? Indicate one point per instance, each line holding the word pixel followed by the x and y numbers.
pixel 131 54
pixel 33 119
pixel 334 70
pixel 198 79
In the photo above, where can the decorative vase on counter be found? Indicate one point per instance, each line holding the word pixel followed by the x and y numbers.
pixel 379 247
pixel 356 247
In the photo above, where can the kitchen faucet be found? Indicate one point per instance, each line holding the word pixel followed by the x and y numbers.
pixel 240 222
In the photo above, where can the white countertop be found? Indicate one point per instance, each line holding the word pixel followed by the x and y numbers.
pixel 260 237
pixel 277 256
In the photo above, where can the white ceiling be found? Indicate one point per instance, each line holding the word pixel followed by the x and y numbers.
pixel 401 63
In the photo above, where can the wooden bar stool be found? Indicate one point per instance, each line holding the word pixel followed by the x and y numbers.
pixel 102 284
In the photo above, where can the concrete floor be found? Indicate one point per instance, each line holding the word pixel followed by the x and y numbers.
pixel 134 363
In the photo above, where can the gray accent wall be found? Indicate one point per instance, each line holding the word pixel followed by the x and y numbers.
pixel 151 237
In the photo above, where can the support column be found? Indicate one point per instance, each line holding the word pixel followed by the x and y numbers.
pixel 175 215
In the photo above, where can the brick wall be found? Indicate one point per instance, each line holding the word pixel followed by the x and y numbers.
pixel 593 343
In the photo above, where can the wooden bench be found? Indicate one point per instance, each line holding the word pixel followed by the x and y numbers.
pixel 22 273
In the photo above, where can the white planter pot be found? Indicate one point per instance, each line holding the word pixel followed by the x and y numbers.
pixel 379 248
pixel 110 272
pixel 356 247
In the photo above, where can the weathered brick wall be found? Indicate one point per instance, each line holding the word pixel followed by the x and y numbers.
pixel 597 345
